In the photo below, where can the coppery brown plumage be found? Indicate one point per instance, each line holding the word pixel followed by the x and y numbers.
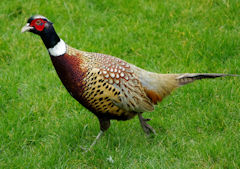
pixel 108 86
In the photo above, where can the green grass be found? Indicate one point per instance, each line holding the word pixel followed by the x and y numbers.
pixel 198 126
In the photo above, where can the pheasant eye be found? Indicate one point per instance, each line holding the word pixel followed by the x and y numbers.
pixel 38 22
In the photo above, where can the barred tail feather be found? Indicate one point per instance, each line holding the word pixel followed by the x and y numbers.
pixel 191 77
pixel 157 86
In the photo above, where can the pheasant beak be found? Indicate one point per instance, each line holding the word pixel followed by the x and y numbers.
pixel 26 28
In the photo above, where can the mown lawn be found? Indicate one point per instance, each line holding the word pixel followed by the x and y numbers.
pixel 198 126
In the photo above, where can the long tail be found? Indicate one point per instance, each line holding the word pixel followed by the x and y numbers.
pixel 191 77
pixel 157 86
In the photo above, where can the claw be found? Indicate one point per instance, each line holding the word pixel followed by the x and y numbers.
pixel 146 119
pixel 84 149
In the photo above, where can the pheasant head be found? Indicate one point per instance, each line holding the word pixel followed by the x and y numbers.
pixel 38 24
pixel 41 26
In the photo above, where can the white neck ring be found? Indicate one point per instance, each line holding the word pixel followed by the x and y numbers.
pixel 59 49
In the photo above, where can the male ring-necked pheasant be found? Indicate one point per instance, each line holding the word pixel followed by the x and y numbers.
pixel 108 86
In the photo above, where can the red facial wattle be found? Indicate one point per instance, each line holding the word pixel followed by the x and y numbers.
pixel 38 24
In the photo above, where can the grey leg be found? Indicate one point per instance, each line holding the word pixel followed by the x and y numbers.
pixel 104 125
pixel 146 127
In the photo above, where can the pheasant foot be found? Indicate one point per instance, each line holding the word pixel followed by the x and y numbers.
pixel 94 142
pixel 146 127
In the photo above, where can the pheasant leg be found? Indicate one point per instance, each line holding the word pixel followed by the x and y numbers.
pixel 146 127
pixel 104 125
pixel 94 142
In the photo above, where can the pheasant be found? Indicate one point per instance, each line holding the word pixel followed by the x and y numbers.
pixel 109 87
